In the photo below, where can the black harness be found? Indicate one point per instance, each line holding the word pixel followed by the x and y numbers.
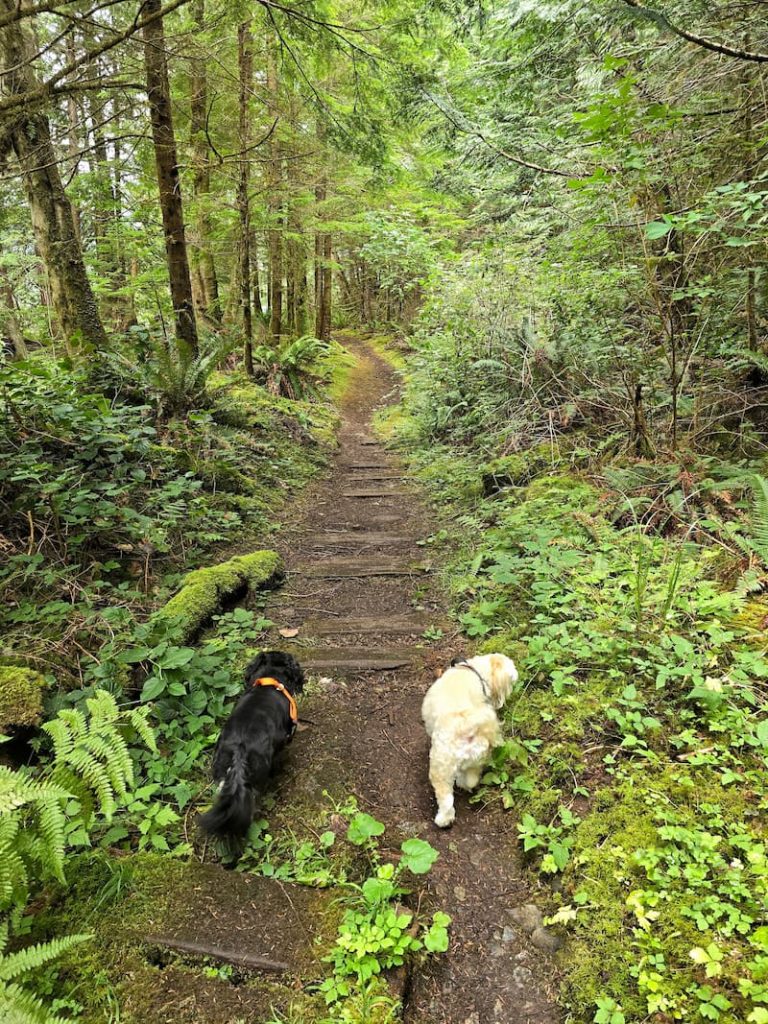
pixel 465 664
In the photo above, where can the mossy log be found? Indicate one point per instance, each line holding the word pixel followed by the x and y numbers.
pixel 205 592
pixel 21 697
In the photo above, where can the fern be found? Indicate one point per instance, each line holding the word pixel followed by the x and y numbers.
pixel 172 374
pixel 14 965
pixel 19 1006
pixel 91 756
pixel 759 518
pixel 288 370
pixel 89 774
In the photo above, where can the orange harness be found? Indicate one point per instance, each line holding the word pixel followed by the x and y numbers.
pixel 292 706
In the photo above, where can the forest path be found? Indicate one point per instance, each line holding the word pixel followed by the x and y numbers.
pixel 359 593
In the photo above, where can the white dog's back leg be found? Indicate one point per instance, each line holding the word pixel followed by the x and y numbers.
pixel 468 778
pixel 442 772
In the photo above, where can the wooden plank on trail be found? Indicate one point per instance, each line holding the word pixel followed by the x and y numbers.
pixel 379 624
pixel 378 492
pixel 353 567
pixel 346 661
pixel 362 538
pixel 377 474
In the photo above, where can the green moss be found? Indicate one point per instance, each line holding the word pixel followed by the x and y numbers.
pixel 522 467
pixel 518 469
pixel 151 895
pixel 21 697
pixel 338 364
pixel 753 619
pixel 204 591
pixel 596 956
pixel 386 346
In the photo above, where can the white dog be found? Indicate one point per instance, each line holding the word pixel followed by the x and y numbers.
pixel 459 713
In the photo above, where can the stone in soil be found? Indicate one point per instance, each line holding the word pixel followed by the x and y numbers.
pixel 528 917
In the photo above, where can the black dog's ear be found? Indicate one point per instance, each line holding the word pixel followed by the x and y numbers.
pixel 254 669
pixel 298 675
pixel 294 673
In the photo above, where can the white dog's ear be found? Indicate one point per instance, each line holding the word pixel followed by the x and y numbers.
pixel 503 676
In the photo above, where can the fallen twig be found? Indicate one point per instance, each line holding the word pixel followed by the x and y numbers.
pixel 228 956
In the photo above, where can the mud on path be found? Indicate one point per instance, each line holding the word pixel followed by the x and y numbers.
pixel 361 597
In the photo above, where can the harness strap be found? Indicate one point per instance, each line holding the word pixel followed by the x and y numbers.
pixel 463 663
pixel 292 706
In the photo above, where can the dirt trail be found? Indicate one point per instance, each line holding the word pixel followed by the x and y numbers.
pixel 359 594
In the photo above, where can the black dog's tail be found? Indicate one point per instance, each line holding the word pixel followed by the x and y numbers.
pixel 232 813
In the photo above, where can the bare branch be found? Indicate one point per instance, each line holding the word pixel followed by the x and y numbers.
pixel 46 89
pixel 707 44
pixel 478 134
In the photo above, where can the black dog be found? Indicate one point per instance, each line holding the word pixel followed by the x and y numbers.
pixel 263 722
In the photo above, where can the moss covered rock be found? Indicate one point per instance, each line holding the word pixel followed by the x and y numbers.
pixel 518 469
pixel 205 591
pixel 21 697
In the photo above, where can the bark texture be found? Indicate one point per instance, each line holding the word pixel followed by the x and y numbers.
pixel 158 93
pixel 53 220
pixel 205 264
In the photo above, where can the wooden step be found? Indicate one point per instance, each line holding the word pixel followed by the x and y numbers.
pixel 376 475
pixel 355 466
pixel 352 661
pixel 413 625
pixel 363 538
pixel 355 566
pixel 377 492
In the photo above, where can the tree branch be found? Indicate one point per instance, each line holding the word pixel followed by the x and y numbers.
pixel 707 44
pixel 19 12
pixel 46 89
pixel 476 133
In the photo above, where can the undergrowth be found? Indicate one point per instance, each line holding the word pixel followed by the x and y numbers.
pixel 113 480
pixel 636 750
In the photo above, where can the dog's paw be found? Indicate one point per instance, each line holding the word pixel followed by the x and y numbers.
pixel 445 818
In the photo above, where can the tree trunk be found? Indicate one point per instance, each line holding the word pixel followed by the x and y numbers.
pixel 323 277
pixel 52 217
pixel 73 137
pixel 275 207
pixel 256 288
pixel 201 164
pixel 12 332
pixel 245 64
pixel 158 93
pixel 127 300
